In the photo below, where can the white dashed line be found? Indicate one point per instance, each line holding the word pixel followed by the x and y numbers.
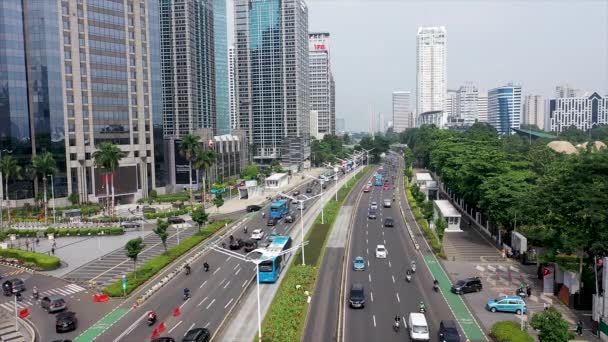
pixel 389 264
pixel 237 265
pixel 202 301
pixel 393 278
pixel 374 316
pixel 175 326
pixel 228 283
pixel 370 277
pixel 237 271
pixel 203 284
pixel 367 249
pixel 372 295
pixel 366 242
pixel 217 270
pixel 192 326
pixel 229 302
pixel 244 283
pixel 184 303
pixel 398 299
pixel 208 306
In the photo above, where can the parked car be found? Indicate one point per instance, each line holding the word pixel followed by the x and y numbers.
pixel 387 203
pixel 176 220
pixel 448 332
pixel 359 264
pixel 371 214
pixel 290 218
pixel 197 335
pixel 253 207
pixel 388 222
pixel 257 234
pixel 163 339
pixel 374 205
pixel 272 222
pixel 356 296
pixel 507 304
pixel 380 252
pixel 53 303
pixel 308 190
pixel 12 286
pixel 66 321
pixel 467 285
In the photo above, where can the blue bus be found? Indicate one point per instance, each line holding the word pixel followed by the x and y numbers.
pixel 273 263
pixel 379 181
pixel 278 209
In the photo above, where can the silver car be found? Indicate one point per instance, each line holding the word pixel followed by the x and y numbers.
pixel 387 203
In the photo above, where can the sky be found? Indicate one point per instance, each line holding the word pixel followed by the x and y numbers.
pixel 537 44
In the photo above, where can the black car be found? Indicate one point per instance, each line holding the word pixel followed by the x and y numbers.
pixel 66 321
pixel 448 332
pixel 467 285
pixel 388 222
pixel 163 339
pixel 272 222
pixel 236 244
pixel 175 220
pixel 197 335
pixel 308 190
pixel 13 286
pixel 356 296
pixel 253 207
pixel 250 245
pixel 289 218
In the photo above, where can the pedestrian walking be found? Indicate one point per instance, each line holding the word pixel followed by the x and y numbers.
pixel 27 244
pixel 37 241
pixel 53 250
pixel 579 327
pixel 529 291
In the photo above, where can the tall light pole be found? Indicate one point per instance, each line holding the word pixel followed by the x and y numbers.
pixel 257 262
pixel 1 187
pixel 322 208
pixel 301 201
pixel 53 194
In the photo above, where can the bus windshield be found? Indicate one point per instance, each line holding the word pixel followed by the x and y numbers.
pixel 266 266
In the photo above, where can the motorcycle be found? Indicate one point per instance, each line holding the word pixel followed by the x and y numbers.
pixel 422 309
pixel 408 277
pixel 521 292
pixel 151 319
pixel 396 326
pixel 206 267
pixel 413 268
pixel 436 287
pixel 186 296
pixel 35 294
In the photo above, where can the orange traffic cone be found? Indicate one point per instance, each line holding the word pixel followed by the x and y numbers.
pixel 176 312
pixel 161 327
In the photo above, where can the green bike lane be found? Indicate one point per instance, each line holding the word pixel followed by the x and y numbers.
pixel 102 325
pixel 467 322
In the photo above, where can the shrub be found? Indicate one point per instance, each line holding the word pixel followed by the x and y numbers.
pixel 509 331
pixel 40 260
pixel 551 326
pixel 166 213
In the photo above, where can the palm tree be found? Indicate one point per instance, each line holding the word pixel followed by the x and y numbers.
pixel 42 166
pixel 9 169
pixel 187 148
pixel 202 160
pixel 107 157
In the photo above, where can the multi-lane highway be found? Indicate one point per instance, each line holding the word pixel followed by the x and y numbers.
pixel 213 294
pixel 387 292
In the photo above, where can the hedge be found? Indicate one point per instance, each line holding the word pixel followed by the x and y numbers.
pixel 173 197
pixel 151 267
pixel 424 225
pixel 166 213
pixel 59 232
pixel 286 316
pixel 37 260
pixel 509 331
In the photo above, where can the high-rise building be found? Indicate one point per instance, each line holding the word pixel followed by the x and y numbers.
pixel 504 108
pixel 431 78
pixel 401 111
pixel 332 103
pixel 188 66
pixel 451 104
pixel 314 125
pixel 467 104
pixel 482 106
pixel 582 112
pixel 272 88
pixel 321 81
pixel 222 96
pixel 534 111
pixel 565 90
pixel 232 90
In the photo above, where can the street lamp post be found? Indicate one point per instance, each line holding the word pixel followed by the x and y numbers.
pixel 322 208
pixel 53 194
pixel 301 201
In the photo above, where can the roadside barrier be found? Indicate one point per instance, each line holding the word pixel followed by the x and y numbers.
pixel 24 313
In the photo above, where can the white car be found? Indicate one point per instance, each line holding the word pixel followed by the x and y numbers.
pixel 380 252
pixel 387 203
pixel 257 234
pixel 374 206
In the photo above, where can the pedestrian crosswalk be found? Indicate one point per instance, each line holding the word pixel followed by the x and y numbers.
pixel 65 291
pixel 14 273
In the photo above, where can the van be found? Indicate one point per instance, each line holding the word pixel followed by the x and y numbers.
pixel 53 303
pixel 13 286
pixel 418 328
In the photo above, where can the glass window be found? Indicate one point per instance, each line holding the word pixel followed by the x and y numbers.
pixel 67 54
pixel 70 112
pixel 66 39
pixel 66 24
pixel 68 84
pixel 65 10
pixel 68 68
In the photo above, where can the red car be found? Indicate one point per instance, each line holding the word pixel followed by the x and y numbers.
pixel 366 189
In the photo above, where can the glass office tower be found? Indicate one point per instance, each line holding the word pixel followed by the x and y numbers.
pixel 222 98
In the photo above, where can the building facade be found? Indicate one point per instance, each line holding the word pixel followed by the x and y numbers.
pixel 222 95
pixel 321 82
pixel 504 108
pixel 431 77
pixel 534 111
pixel 437 118
pixel 482 106
pixel 272 84
pixel 450 107
pixel 467 106
pixel 314 125
pixel 582 112
pixel 188 66
pixel 232 89
pixel 401 111
pixel 566 90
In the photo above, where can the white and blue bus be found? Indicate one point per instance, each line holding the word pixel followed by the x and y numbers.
pixel 273 264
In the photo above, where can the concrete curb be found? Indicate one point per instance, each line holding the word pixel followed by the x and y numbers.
pixel 27 269
pixel 31 328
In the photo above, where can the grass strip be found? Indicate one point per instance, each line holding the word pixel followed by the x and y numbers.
pixel 286 315
pixel 151 267
pixel 38 261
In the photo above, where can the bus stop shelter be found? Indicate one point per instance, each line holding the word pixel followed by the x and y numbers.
pixel 277 180
pixel 449 213
pixel 422 177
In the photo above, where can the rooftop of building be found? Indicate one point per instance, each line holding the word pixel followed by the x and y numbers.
pixel 446 208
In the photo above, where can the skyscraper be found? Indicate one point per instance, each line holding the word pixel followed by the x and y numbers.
pixel 272 87
pixel 188 66
pixel 451 104
pixel 582 112
pixel 504 108
pixel 222 96
pixel 401 111
pixel 482 106
pixel 321 82
pixel 565 90
pixel 534 111
pixel 467 104
pixel 232 90
pixel 431 78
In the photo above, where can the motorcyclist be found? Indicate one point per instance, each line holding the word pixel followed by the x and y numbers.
pixel 408 275
pixel 186 293
pixel 396 324
pixel 435 284
pixel 35 292
pixel 188 269
pixel 206 266
pixel 422 307
pixel 151 316
pixel 263 214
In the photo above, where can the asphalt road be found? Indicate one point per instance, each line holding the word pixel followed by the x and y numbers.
pixel 213 293
pixel 387 292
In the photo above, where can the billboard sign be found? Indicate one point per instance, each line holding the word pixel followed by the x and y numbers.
pixel 182 167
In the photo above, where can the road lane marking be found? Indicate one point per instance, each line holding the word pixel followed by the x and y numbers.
pixel 184 303
pixel 370 277
pixel 228 283
pixel 367 263
pixel 384 242
pixel 398 299
pixel 393 278
pixel 372 295
pixel 229 302
pixel 175 326
pixel 202 301
pixel 237 272
pixel 389 264
pixel 221 282
pixel 130 328
pixel 367 249
pixel 207 325
pixel 374 316
pixel 213 301
pixel 214 272
pixel 192 326
pixel 366 242
pixel 203 284
pixel 244 283
pixel 235 266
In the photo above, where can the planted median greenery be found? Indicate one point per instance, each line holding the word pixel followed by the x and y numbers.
pixel 422 219
pixel 151 267
pixel 33 260
pixel 286 316
pixel 61 232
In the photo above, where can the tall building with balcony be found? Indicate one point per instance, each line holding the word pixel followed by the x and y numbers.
pixel 401 111
pixel 222 95
pixel 322 87
pixel 504 108
pixel 431 75
pixel 482 106
pixel 534 111
pixel 272 84
pixel 582 112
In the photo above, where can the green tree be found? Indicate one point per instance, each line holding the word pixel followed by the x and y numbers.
pixel 200 216
pixel 42 166
pixel 250 172
pixel 481 131
pixel 187 147
pixel 10 170
pixel 108 156
pixel 161 232
pixel 427 209
pixel 440 226
pixel 202 161
pixel 133 248
pixel 551 326
pixel 218 201
pixel 74 198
